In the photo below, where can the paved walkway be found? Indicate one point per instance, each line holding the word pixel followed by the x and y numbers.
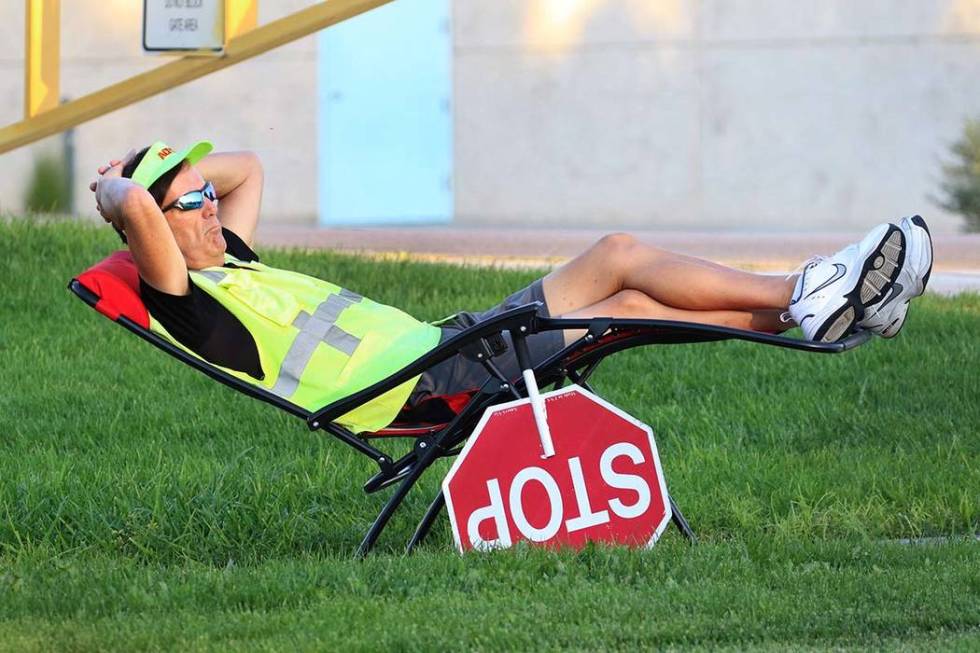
pixel 956 267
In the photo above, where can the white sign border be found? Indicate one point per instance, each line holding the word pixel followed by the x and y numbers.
pixel 490 412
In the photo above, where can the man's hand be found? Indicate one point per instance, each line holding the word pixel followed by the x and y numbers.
pixel 107 191
pixel 130 208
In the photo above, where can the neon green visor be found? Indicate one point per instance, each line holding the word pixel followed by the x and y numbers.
pixel 161 157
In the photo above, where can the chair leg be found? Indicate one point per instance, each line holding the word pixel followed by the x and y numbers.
pixel 678 518
pixel 427 521
pixel 448 438
pixel 396 499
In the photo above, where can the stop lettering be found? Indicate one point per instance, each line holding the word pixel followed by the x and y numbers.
pixel 604 482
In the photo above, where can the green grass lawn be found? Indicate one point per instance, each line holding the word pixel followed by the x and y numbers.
pixel 144 507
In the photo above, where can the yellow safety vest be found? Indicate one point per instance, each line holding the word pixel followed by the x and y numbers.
pixel 317 342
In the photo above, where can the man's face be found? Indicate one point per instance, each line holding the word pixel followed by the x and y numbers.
pixel 197 231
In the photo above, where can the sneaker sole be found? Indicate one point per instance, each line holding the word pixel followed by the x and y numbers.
pixel 919 222
pixel 900 320
pixel 878 274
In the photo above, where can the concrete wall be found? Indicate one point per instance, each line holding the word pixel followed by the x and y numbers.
pixel 267 104
pixel 738 114
pixel 696 114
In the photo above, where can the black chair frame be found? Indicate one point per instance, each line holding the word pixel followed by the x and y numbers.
pixel 481 343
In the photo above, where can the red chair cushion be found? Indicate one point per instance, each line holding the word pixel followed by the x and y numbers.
pixel 116 282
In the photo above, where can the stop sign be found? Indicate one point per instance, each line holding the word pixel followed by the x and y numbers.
pixel 604 482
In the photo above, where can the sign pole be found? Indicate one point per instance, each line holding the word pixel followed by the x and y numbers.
pixel 540 414
pixel 531 385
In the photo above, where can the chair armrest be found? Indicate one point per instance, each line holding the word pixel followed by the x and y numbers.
pixel 646 332
pixel 607 336
pixel 673 332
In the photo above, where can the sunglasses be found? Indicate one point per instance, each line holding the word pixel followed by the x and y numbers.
pixel 193 199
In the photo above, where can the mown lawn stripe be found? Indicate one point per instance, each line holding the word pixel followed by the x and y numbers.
pixel 143 506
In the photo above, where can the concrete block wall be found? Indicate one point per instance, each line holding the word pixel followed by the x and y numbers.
pixel 675 114
pixel 703 114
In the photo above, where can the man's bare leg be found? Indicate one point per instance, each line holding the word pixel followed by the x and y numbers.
pixel 701 290
pixel 633 303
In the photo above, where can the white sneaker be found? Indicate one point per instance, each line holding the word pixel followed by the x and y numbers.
pixel 887 317
pixel 832 293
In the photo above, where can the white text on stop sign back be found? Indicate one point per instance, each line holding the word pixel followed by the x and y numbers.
pixel 586 515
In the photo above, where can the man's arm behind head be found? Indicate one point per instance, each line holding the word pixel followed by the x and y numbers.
pixel 133 211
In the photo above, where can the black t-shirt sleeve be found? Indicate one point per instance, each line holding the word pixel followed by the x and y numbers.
pixel 203 325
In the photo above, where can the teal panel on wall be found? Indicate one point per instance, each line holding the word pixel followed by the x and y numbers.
pixel 384 141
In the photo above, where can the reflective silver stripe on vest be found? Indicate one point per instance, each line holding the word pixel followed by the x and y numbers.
pixel 214 275
pixel 314 329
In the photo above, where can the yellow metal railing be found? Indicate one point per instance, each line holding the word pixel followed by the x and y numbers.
pixel 42 39
pixel 45 117
pixel 240 17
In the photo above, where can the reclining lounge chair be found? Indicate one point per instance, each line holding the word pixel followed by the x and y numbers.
pixel 112 287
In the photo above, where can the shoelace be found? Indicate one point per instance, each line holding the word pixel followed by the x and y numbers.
pixel 802 266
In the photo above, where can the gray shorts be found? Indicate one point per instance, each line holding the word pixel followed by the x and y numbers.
pixel 457 374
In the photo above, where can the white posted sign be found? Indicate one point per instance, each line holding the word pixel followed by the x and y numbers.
pixel 181 25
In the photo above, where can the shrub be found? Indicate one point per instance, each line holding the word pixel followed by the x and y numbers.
pixel 48 190
pixel 962 177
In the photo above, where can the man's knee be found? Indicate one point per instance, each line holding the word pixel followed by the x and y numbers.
pixel 634 303
pixel 626 249
pixel 618 244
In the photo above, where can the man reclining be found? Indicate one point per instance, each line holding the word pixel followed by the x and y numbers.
pixel 189 217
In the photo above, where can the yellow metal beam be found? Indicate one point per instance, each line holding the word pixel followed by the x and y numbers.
pixel 240 16
pixel 165 77
pixel 42 40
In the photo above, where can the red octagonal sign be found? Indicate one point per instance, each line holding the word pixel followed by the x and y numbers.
pixel 604 482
